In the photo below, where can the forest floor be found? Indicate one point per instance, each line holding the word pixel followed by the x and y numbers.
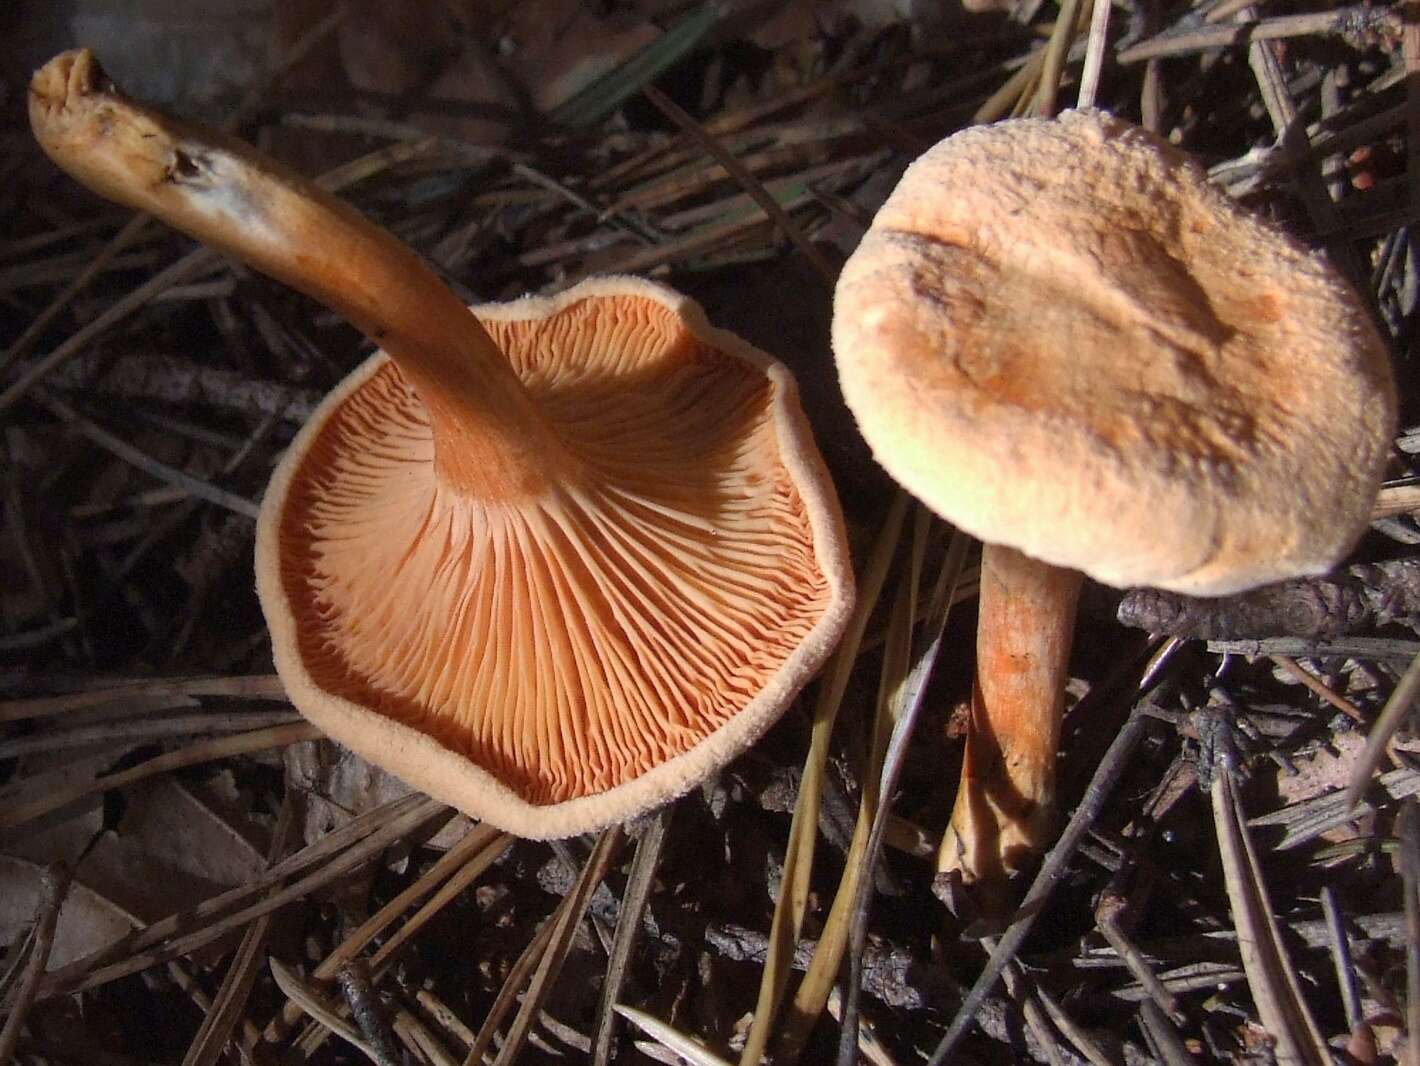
pixel 190 873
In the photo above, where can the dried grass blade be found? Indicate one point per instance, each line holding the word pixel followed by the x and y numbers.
pixel 300 993
pixel 193 755
pixel 54 886
pixel 231 998
pixel 1392 715
pixel 148 728
pixel 870 1046
pixel 473 843
pixel 1162 1035
pixel 811 996
pixel 569 915
pixel 611 90
pixel 473 868
pixel 1174 43
pixel 421 1041
pixel 1409 832
pixel 343 864
pixel 1072 1031
pixel 1053 868
pixel 336 844
pixel 673 1040
pixel 1057 50
pixel 542 958
pixel 1340 945
pixel 803 828
pixel 1280 1005
pixel 255 686
pixel 1395 500
pixel 908 697
pixel 746 180
pixel 1094 52
pixel 628 927
pixel 1306 821
pixel 512 985
pixel 1015 89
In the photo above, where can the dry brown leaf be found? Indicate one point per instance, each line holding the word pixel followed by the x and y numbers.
pixel 170 823
pixel 339 786
pixel 86 922
pixel 1323 770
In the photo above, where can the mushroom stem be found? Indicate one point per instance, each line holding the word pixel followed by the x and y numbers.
pixel 489 439
pixel 1005 800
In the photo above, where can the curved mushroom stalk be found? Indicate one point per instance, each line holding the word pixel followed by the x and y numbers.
pixel 1005 805
pixel 492 442
pixel 553 561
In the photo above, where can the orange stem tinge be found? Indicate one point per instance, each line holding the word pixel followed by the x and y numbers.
pixel 490 441
pixel 1005 801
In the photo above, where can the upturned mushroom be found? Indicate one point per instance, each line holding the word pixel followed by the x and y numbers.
pixel 553 561
pixel 1061 338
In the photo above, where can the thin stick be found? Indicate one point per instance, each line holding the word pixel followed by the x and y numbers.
pixel 1341 956
pixel 628 927
pixel 1311 681
pixel 475 841
pixel 1409 832
pixel 341 866
pixel 1281 1007
pixel 381 960
pixel 54 886
pixel 914 687
pixel 1396 709
pixel 193 755
pixel 1165 1038
pixel 1053 869
pixel 312 1003
pixel 1143 973
pixel 252 686
pixel 747 181
pixel 1323 22
pixel 227 1006
pixel 569 915
pixel 1094 53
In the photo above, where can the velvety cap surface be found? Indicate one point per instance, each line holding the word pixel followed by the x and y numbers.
pixel 562 663
pixel 1061 338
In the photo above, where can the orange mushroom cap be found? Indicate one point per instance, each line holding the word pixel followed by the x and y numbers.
pixel 1063 339
pixel 553 561
pixel 562 663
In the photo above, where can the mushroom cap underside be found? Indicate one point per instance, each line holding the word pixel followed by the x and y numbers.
pixel 569 661
pixel 1063 339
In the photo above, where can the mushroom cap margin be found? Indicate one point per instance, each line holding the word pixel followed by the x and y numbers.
pixel 454 778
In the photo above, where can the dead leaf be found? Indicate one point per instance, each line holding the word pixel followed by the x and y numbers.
pixel 87 920
pixel 339 786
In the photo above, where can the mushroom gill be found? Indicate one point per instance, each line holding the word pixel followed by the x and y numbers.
pixel 553 561
pixel 569 644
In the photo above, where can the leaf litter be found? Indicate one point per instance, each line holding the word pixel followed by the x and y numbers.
pixel 238 875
